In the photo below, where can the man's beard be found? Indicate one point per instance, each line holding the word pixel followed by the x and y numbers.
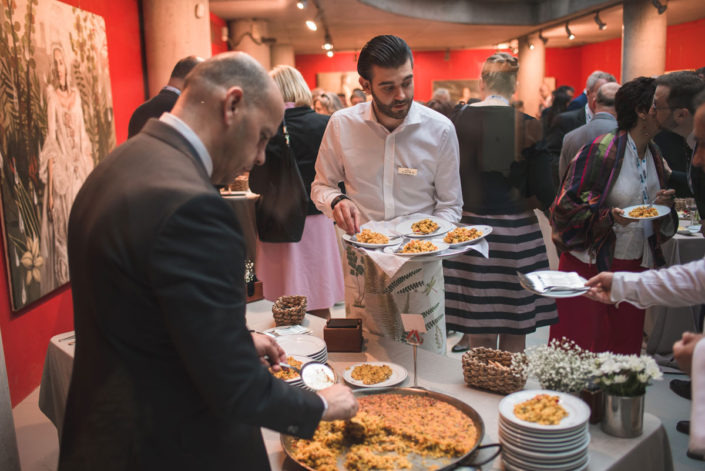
pixel 388 110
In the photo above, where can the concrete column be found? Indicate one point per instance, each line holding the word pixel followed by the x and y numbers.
pixel 246 36
pixel 532 68
pixel 173 29
pixel 283 54
pixel 643 40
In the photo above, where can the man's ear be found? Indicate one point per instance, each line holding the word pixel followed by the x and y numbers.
pixel 681 114
pixel 365 84
pixel 232 104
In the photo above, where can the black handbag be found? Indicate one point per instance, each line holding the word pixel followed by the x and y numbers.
pixel 280 211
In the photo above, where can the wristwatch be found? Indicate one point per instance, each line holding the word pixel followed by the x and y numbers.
pixel 337 200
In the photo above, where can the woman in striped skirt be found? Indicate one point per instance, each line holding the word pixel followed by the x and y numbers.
pixel 504 175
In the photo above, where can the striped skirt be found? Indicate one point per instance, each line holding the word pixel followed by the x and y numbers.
pixel 483 295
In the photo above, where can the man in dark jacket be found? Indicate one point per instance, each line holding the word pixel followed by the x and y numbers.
pixel 165 99
pixel 166 374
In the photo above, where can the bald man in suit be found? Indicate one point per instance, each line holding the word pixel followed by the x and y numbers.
pixel 166 374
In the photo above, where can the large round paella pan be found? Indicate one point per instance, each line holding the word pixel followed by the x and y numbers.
pixel 292 445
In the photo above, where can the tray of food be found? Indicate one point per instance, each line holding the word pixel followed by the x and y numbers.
pixel 395 428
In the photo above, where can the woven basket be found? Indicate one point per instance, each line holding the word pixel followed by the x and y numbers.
pixel 240 184
pixel 490 369
pixel 289 310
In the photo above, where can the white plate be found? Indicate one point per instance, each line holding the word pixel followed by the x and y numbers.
pixel 540 442
pixel 552 456
pixel 517 463
pixel 234 193
pixel 304 345
pixel 399 374
pixel 486 230
pixel 545 436
pixel 441 246
pixel 578 411
pixel 662 211
pixel 404 227
pixel 569 293
pixel 392 241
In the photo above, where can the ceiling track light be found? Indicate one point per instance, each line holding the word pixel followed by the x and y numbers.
pixel 330 53
pixel 542 38
pixel 570 34
pixel 600 24
pixel 311 24
pixel 660 7
pixel 531 46
pixel 301 4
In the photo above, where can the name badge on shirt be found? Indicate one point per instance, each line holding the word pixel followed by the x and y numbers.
pixel 407 171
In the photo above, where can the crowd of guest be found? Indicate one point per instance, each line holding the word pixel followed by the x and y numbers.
pixel 170 254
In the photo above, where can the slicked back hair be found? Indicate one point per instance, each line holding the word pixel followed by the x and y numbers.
pixel 387 51
pixel 184 66
pixel 682 88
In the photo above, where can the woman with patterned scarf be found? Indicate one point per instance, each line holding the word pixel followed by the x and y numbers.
pixel 616 170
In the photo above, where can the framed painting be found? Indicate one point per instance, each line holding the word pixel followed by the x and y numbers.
pixel 56 124
pixel 460 90
pixel 340 83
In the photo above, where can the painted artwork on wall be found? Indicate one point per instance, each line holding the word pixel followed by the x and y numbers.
pixel 460 90
pixel 340 83
pixel 56 124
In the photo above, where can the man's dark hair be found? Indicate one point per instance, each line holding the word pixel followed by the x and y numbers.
pixel 385 51
pixel 184 66
pixel 632 97
pixel 565 89
pixel 682 86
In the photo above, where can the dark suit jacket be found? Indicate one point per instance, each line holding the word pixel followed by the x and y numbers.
pixel 306 128
pixel 578 102
pixel 152 108
pixel 562 124
pixel 677 152
pixel 165 376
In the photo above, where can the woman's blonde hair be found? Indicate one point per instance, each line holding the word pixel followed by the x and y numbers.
pixel 499 72
pixel 292 85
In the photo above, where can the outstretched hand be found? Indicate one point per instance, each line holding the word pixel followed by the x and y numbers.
pixel 269 351
pixel 600 287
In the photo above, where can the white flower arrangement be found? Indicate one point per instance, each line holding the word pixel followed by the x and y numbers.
pixel 561 365
pixel 624 375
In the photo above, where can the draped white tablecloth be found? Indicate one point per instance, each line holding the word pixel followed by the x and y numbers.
pixel 649 452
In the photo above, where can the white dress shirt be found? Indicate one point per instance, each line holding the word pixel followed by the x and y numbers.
pixel 676 286
pixel 412 169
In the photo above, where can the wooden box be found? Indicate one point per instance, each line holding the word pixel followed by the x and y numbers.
pixel 257 293
pixel 343 335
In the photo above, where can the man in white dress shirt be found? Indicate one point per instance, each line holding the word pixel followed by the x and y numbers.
pixel 396 157
pixel 679 285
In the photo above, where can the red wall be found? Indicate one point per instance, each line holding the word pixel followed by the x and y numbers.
pixel 217 44
pixel 685 49
pixel 428 66
pixel 26 334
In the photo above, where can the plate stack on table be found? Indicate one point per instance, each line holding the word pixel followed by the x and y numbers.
pixel 532 446
pixel 305 345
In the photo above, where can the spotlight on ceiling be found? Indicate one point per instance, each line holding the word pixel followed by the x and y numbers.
pixel 531 45
pixel 542 38
pixel 661 7
pixel 330 53
pixel 301 4
pixel 328 45
pixel 600 24
pixel 310 24
pixel 570 34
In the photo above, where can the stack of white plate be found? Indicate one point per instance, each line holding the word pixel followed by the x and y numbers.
pixel 534 447
pixel 304 345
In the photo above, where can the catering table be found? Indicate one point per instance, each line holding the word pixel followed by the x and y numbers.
pixel 650 451
pixel 664 325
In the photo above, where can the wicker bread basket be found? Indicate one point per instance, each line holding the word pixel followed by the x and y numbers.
pixel 490 369
pixel 289 310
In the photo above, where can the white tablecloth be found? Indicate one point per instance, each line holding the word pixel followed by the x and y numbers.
pixel 649 452
pixel 664 325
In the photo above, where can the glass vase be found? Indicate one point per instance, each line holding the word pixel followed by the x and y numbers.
pixel 623 416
